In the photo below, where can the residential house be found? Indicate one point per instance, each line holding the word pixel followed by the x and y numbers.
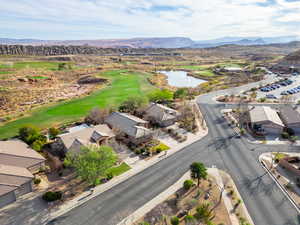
pixel 290 118
pixel 266 120
pixel 132 128
pixel 74 141
pixel 14 182
pixel 162 115
pixel 17 153
pixel 17 164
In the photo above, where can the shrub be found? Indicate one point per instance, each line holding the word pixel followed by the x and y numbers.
pixel 37 145
pixel 109 176
pixel 262 100
pixel 189 218
pixel 51 196
pixel 289 186
pixel 293 138
pixel 144 223
pixel 188 184
pixel 285 135
pixel 290 131
pixel 37 181
pixel 175 220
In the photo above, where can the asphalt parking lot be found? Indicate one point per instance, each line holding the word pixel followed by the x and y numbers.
pixel 276 92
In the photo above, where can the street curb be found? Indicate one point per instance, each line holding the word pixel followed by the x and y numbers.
pixel 140 212
pixel 240 197
pixel 278 184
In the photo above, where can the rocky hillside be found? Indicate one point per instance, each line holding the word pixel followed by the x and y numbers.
pixel 291 60
pixel 75 50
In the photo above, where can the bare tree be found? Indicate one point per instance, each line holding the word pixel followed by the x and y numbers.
pixel 96 116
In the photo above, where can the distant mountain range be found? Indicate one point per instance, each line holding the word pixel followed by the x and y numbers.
pixel 245 41
pixel 168 42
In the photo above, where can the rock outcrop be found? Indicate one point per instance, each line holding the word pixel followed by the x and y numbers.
pixel 290 62
pixel 77 50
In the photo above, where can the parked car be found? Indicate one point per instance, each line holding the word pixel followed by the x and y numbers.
pixel 284 93
pixel 271 96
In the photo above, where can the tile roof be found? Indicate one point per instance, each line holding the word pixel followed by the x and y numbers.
pixel 128 124
pixel 289 115
pixel 18 148
pixel 84 135
pixel 5 188
pixel 264 113
pixel 161 112
pixel 14 171
pixel 12 177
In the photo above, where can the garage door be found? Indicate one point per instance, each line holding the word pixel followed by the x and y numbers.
pixel 7 199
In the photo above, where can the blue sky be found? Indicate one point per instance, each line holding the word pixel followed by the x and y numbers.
pixel 103 19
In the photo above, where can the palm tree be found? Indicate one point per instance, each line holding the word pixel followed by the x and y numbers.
pixel 198 171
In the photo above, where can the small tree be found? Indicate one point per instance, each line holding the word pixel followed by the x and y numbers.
pixel 181 93
pixel 188 184
pixel 96 116
pixel 92 162
pixel 32 136
pixel 198 171
pixel 53 132
pixel 131 105
pixel 175 220
pixel 161 96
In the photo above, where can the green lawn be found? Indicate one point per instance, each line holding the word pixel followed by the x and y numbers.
pixel 195 67
pixel 38 77
pixel 232 64
pixel 5 72
pixel 206 73
pixel 116 171
pixel 33 65
pixel 124 84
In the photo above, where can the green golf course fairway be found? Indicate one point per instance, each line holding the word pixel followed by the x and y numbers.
pixel 124 84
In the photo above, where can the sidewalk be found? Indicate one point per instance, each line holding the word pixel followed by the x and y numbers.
pixel 137 167
pixel 215 173
pixel 266 160
pixel 139 213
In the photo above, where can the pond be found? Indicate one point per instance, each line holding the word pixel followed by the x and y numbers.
pixel 181 79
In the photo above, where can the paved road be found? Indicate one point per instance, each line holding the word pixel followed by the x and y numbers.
pixel 266 203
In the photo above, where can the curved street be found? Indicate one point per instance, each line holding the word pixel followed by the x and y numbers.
pixel 265 202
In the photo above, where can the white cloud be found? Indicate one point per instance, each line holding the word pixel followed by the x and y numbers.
pixel 125 18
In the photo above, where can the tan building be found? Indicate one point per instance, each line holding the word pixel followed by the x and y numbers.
pixel 133 128
pixel 265 120
pixel 74 141
pixel 291 118
pixel 162 115
pixel 17 163
pixel 17 153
